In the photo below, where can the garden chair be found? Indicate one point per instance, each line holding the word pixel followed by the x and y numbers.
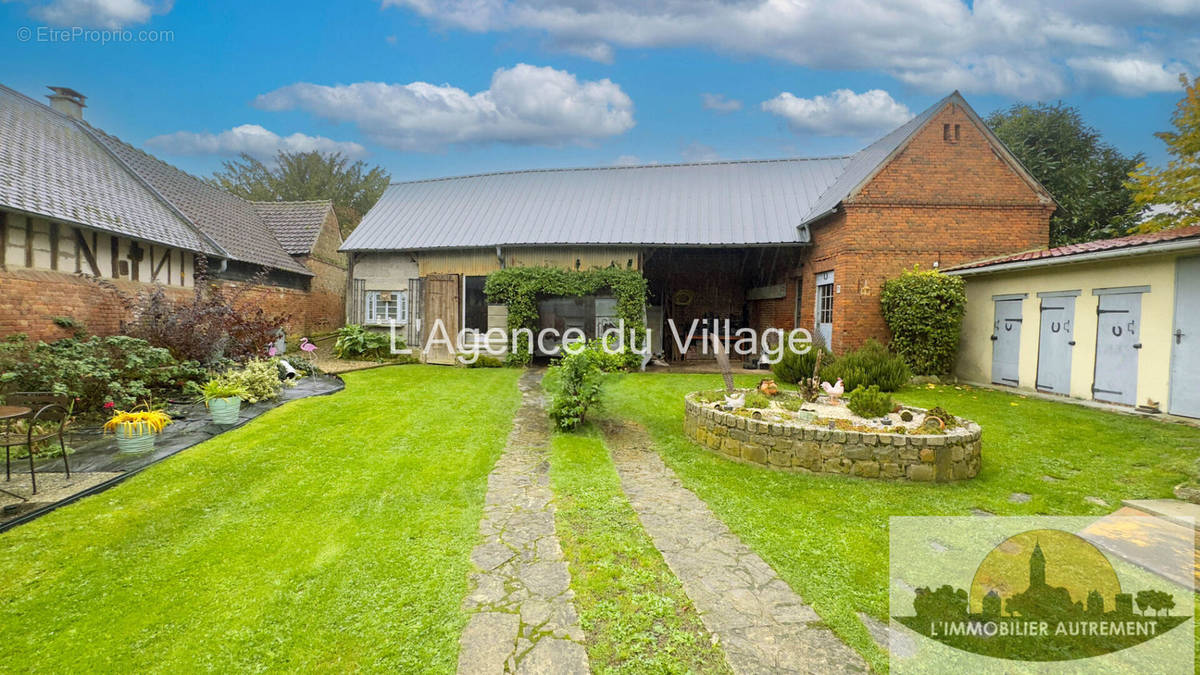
pixel 46 407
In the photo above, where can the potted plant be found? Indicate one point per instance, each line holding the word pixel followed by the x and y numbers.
pixel 136 431
pixel 223 396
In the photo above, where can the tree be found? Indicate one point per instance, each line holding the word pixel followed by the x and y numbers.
pixel 1145 600
pixel 300 176
pixel 1086 175
pixel 924 310
pixel 1175 188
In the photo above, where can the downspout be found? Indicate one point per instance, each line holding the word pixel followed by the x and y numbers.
pixel 500 257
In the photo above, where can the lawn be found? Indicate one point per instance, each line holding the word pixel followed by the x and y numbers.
pixel 333 533
pixel 633 610
pixel 827 536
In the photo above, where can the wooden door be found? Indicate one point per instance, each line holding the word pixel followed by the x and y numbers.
pixel 1185 340
pixel 1055 344
pixel 1118 339
pixel 440 316
pixel 1006 342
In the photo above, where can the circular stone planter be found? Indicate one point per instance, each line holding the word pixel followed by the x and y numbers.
pixel 793 445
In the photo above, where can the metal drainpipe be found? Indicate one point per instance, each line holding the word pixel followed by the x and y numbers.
pixel 500 257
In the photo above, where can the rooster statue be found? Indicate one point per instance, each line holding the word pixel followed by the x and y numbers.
pixel 834 391
pixel 735 401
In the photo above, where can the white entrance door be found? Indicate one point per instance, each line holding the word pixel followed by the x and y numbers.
pixel 1185 340
pixel 823 308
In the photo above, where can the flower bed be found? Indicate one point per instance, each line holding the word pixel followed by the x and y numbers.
pixel 824 438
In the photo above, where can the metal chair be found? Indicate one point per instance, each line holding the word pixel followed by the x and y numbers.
pixel 46 406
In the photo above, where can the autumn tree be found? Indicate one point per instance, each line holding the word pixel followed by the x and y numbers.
pixel 1086 175
pixel 301 176
pixel 1173 191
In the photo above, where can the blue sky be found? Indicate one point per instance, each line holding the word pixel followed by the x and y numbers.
pixel 514 84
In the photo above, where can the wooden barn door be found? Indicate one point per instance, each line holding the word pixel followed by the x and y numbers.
pixel 441 303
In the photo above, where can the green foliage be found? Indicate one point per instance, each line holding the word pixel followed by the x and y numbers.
pixel 792 403
pixel 120 370
pixel 575 384
pixel 711 396
pixel 792 367
pixel 943 415
pixel 1083 173
pixel 355 342
pixel 924 310
pixel 520 288
pixel 256 381
pixel 485 361
pixel 869 402
pixel 305 176
pixel 757 399
pixel 1174 186
pixel 222 387
pixel 872 364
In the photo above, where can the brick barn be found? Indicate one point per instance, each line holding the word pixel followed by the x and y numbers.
pixel 76 202
pixel 791 243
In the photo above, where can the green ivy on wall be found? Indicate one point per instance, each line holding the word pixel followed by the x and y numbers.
pixel 520 288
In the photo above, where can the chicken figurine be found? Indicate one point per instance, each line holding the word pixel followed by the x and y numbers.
pixel 834 391
pixel 735 401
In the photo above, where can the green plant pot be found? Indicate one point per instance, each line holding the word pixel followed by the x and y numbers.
pixel 135 444
pixel 225 410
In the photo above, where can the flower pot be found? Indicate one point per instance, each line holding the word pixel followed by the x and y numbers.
pixel 134 443
pixel 225 410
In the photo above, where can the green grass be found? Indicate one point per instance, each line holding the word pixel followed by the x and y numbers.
pixel 632 608
pixel 330 534
pixel 827 536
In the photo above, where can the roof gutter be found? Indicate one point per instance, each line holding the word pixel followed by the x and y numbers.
pixel 1148 249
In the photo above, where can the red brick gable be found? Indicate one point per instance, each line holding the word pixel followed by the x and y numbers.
pixel 970 167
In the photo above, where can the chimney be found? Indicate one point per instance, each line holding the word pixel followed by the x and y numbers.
pixel 67 101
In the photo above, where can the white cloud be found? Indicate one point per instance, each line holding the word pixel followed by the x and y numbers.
pixel 718 103
pixel 627 160
pixel 699 152
pixel 1127 75
pixel 841 113
pixel 109 14
pixel 251 139
pixel 524 105
pixel 1023 48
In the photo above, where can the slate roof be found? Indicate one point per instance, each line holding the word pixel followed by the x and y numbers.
pixel 51 166
pixel 1065 253
pixel 231 221
pixel 296 225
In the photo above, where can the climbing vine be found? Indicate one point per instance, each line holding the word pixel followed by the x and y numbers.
pixel 520 288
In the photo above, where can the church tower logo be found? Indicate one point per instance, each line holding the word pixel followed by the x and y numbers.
pixel 1045 595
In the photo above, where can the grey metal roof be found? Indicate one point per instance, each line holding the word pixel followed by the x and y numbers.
pixel 52 167
pixel 720 203
pixel 229 220
pixel 296 225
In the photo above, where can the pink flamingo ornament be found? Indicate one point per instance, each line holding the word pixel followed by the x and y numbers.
pixel 307 346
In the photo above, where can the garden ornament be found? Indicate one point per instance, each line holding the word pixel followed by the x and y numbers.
pixel 834 391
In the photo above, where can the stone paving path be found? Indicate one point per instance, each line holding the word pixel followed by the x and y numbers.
pixel 524 618
pixel 761 623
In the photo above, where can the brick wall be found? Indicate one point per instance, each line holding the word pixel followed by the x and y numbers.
pixel 326 306
pixel 938 201
pixel 30 300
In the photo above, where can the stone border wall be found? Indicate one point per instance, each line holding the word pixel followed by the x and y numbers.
pixel 812 449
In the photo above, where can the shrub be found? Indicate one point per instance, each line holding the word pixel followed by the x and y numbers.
pixel 257 381
pixel 943 415
pixel 870 402
pixel 120 370
pixel 222 387
pixel 576 381
pixel 357 342
pixel 484 361
pixel 757 399
pixel 792 367
pixel 870 365
pixel 212 325
pixel 924 310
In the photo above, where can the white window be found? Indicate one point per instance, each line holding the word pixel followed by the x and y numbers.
pixel 385 306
